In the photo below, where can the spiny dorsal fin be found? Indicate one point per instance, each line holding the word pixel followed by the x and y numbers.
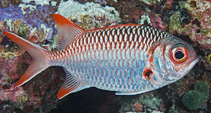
pixel 66 29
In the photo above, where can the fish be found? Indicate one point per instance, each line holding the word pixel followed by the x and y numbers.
pixel 129 59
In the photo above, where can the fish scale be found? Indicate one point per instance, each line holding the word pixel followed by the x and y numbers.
pixel 93 48
pixel 129 59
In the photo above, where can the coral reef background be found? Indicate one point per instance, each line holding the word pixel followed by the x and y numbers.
pixel 190 20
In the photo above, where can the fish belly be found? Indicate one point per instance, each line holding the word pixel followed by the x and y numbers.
pixel 113 74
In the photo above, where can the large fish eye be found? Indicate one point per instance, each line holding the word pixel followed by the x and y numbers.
pixel 179 54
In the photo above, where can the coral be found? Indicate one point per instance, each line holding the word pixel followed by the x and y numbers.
pixel 202 88
pixel 143 103
pixel 6 3
pixel 150 1
pixel 38 2
pixel 32 21
pixel 151 101
pixel 209 59
pixel 30 16
pixel 89 15
pixel 206 59
pixel 9 80
pixel 193 99
pixel 198 29
pixel 32 25
pixel 8 50
pixel 29 95
pixel 22 32
pixel 138 107
pixel 138 12
pixel 154 111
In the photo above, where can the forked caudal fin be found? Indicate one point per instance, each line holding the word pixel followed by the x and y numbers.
pixel 67 31
pixel 38 54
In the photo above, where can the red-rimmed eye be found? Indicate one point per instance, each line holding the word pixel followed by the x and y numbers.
pixel 179 54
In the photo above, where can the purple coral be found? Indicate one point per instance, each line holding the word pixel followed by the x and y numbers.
pixel 42 15
pixel 14 61
pixel 12 12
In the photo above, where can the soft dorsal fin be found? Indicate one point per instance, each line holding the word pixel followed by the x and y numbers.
pixel 66 29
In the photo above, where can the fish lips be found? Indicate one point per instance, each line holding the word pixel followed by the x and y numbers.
pixel 191 65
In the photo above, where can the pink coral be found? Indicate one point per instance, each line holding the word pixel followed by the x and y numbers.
pixel 199 29
pixel 138 107
pixel 13 94
pixel 157 21
pixel 8 75
pixel 13 63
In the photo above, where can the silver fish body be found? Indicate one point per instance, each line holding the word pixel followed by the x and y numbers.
pixel 129 58
pixel 115 59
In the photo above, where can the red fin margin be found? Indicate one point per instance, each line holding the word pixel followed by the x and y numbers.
pixel 71 84
pixel 66 29
pixel 39 62
pixel 114 26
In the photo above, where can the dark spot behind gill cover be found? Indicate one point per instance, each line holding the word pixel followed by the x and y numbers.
pixel 147 73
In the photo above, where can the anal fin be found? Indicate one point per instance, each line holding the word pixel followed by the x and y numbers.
pixel 71 84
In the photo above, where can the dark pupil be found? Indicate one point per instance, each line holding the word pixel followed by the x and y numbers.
pixel 179 54
pixel 148 73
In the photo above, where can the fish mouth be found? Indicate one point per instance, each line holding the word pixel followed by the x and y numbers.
pixel 191 65
pixel 196 60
